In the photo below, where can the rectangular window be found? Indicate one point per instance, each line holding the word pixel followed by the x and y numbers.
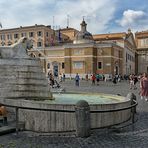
pixel 16 36
pixel 144 42
pixel 39 33
pixel 47 34
pixel 77 65
pixel 23 34
pixel 31 34
pixel 9 36
pixel 63 65
pixel 130 57
pixel 2 37
pixel 39 44
pixel 48 66
pixel 126 57
pixel 78 52
pixel 99 65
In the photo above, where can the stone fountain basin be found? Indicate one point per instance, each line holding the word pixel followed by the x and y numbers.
pixel 50 121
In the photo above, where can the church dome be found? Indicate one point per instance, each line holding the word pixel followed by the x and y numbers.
pixel 83 36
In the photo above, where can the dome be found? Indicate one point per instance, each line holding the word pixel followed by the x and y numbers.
pixel 83 36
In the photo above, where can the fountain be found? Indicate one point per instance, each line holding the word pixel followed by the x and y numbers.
pixel 23 84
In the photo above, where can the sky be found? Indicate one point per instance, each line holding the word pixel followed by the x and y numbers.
pixel 101 16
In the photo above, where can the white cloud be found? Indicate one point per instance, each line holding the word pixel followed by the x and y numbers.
pixel 131 18
pixel 98 14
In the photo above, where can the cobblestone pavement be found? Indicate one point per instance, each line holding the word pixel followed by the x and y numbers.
pixel 124 136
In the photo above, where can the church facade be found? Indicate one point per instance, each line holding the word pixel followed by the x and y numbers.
pixel 83 55
pixel 142 50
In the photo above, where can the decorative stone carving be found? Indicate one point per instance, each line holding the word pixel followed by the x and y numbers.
pixel 21 76
pixel 18 49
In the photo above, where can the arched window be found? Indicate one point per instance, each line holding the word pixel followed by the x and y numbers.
pixel 9 43
pixel 39 43
pixel 3 43
pixel 32 55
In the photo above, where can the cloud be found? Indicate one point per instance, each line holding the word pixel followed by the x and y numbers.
pixel 98 14
pixel 28 12
pixel 133 18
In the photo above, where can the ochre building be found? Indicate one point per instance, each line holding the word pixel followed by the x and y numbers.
pixel 142 50
pixel 127 42
pixel 85 55
pixel 42 36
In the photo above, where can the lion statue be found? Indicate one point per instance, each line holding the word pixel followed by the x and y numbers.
pixel 17 50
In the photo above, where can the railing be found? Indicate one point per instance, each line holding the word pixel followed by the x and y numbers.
pixel 132 107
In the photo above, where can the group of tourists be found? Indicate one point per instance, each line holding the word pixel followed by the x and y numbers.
pixel 95 79
pixel 143 79
pixel 52 81
pixel 133 79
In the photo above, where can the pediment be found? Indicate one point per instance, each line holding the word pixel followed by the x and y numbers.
pixel 131 40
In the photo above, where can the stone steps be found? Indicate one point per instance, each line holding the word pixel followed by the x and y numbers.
pixel 11 127
pixel 22 75
pixel 24 81
pixel 16 68
pixel 20 61
pixel 6 130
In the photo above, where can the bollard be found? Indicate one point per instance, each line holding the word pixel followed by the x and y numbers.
pixel 82 111
pixel 132 97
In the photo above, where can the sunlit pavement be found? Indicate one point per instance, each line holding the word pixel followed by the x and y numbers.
pixel 124 136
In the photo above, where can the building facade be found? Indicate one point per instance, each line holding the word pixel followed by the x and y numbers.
pixel 70 51
pixel 83 56
pixel 142 50
pixel 127 43
pixel 41 36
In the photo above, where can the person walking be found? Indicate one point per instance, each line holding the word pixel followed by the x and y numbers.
pixel 51 79
pixel 77 79
pixel 135 81
pixel 86 77
pixel 131 81
pixel 60 77
pixel 144 87
pixel 97 78
pixel 93 79
pixel 114 80
pixel 63 77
